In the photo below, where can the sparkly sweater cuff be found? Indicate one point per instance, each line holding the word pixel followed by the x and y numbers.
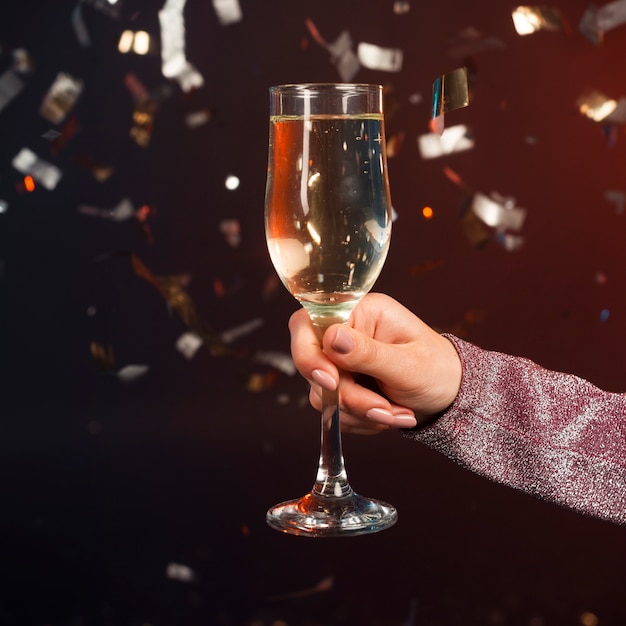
pixel 550 434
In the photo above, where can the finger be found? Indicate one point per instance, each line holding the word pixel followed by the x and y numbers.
pixel 307 353
pixel 356 411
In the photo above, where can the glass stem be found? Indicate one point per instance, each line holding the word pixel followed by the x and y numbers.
pixel 332 479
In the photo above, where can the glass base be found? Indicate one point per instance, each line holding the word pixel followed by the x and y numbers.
pixel 322 516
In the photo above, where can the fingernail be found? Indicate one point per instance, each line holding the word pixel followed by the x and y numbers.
pixel 324 379
pixel 343 342
pixel 380 415
pixel 399 420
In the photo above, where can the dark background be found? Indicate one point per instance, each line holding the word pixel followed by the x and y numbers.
pixel 105 483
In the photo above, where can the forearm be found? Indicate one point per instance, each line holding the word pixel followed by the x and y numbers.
pixel 547 433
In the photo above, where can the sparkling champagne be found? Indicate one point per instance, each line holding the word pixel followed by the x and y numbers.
pixel 327 209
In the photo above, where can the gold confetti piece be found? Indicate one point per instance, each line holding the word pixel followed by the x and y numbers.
pixel 172 290
pixel 596 105
pixel 103 356
pixel 257 382
pixel 60 98
pixel 450 92
pixel 99 171
pixel 530 19
pixel 474 228
pixel 394 143
pixel 143 122
pixel 138 42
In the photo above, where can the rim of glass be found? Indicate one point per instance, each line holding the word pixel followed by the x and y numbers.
pixel 346 86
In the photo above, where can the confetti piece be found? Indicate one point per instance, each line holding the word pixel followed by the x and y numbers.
pixel 182 573
pixel 342 54
pixel 611 15
pixel 257 382
pixel 473 227
pixel 453 139
pixel 137 42
pixel 450 92
pixel 131 373
pixel 378 58
pixel 22 61
pixel 344 57
pixel 60 98
pixel 174 64
pixel 228 336
pixel 279 360
pixel 136 87
pixel 10 87
pixel 394 143
pixel 596 106
pixel 227 11
pixel 470 42
pixel 103 356
pixel 510 242
pixel 172 290
pixel 123 211
pixel 27 162
pixel 400 7
pixel 79 26
pixel 188 344
pixel 530 19
pixel 198 118
pixel 498 213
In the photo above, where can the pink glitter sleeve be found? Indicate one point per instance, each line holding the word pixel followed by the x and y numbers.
pixel 550 434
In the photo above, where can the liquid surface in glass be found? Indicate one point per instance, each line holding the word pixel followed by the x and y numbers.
pixel 327 209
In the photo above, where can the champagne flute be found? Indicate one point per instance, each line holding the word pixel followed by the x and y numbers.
pixel 328 226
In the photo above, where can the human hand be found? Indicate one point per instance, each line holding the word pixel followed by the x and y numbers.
pixel 417 370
